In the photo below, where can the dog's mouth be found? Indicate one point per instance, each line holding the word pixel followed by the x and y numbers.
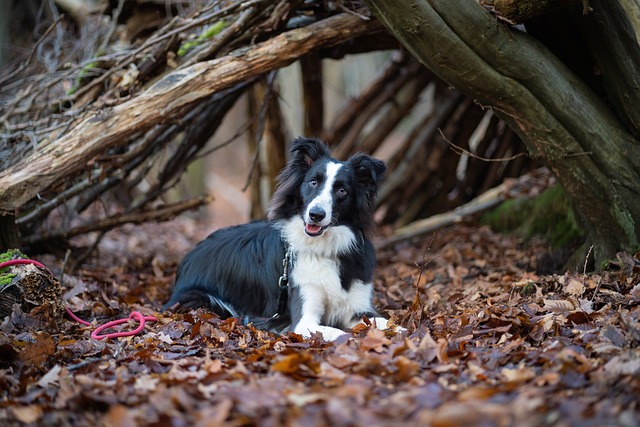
pixel 313 230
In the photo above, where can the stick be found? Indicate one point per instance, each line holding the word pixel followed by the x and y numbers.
pixel 162 213
pixel 419 228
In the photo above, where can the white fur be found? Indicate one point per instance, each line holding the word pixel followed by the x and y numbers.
pixel 334 241
pixel 324 200
pixel 316 272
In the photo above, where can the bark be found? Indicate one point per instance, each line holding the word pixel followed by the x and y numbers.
pixel 561 120
pixel 9 236
pixel 312 95
pixel 523 10
pixel 90 135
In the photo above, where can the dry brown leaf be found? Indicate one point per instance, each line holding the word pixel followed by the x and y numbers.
pixel 28 414
pixel 574 287
pixel 375 340
pixel 518 375
pixel 119 416
pixel 37 352
pixel 558 305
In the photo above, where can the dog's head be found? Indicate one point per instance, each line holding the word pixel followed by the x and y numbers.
pixel 326 192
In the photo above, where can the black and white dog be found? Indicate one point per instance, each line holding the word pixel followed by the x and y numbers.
pixel 320 219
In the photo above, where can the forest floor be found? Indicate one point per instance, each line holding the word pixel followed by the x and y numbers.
pixel 488 343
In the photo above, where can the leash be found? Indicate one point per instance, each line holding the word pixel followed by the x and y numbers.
pixel 271 323
pixel 136 315
pixel 283 286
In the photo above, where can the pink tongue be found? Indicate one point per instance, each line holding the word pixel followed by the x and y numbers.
pixel 312 228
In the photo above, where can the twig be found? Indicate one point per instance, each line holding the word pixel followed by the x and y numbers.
pixel 483 202
pixel 35 47
pixel 586 260
pixel 161 213
pixel 460 150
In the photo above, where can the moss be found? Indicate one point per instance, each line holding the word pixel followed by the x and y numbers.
pixel 85 72
pixel 5 277
pixel 550 215
pixel 207 34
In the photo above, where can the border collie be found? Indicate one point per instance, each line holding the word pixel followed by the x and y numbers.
pixel 316 240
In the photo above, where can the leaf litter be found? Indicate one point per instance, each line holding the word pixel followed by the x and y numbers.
pixel 488 343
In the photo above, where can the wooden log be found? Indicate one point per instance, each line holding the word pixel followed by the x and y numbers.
pixel 67 153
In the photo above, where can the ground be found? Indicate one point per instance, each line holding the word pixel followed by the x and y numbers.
pixel 488 343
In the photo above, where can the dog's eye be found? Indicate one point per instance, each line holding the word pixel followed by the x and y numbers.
pixel 313 183
pixel 342 191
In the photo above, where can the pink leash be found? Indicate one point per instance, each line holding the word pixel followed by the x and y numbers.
pixel 136 315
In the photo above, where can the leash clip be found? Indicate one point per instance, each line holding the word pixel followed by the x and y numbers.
pixel 283 285
pixel 284 279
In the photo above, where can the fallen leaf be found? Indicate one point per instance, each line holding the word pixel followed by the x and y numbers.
pixel 146 383
pixel 28 414
pixel 37 352
pixel 518 375
pixel 50 377
pixel 374 341
pixel 560 306
pixel 119 416
pixel 574 287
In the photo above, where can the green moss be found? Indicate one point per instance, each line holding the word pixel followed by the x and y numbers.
pixel 85 72
pixel 207 34
pixel 6 277
pixel 550 215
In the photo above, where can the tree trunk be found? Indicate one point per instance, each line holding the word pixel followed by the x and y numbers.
pixel 523 10
pixel 9 236
pixel 560 119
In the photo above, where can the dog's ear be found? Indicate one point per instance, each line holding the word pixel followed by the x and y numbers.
pixel 306 151
pixel 286 200
pixel 369 171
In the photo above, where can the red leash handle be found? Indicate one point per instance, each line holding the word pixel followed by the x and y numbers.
pixel 22 262
pixel 136 315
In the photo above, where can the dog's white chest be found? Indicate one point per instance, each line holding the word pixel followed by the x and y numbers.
pixel 318 275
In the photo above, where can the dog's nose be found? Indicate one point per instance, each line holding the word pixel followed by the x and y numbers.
pixel 317 214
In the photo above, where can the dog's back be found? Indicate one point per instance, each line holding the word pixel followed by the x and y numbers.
pixel 233 272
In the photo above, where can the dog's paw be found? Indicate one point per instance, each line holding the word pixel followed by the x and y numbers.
pixel 328 333
pixel 382 324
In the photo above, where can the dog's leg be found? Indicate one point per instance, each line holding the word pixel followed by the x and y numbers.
pixel 307 310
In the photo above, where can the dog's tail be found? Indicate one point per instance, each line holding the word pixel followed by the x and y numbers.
pixel 196 298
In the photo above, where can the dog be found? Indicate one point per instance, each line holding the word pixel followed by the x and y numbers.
pixel 309 267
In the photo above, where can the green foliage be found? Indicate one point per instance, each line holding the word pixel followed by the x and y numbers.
pixel 6 277
pixel 550 215
pixel 207 34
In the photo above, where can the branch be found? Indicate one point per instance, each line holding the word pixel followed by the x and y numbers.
pixel 161 213
pixel 419 228
pixel 98 131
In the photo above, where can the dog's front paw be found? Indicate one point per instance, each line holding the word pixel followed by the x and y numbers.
pixel 328 333
pixel 382 323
